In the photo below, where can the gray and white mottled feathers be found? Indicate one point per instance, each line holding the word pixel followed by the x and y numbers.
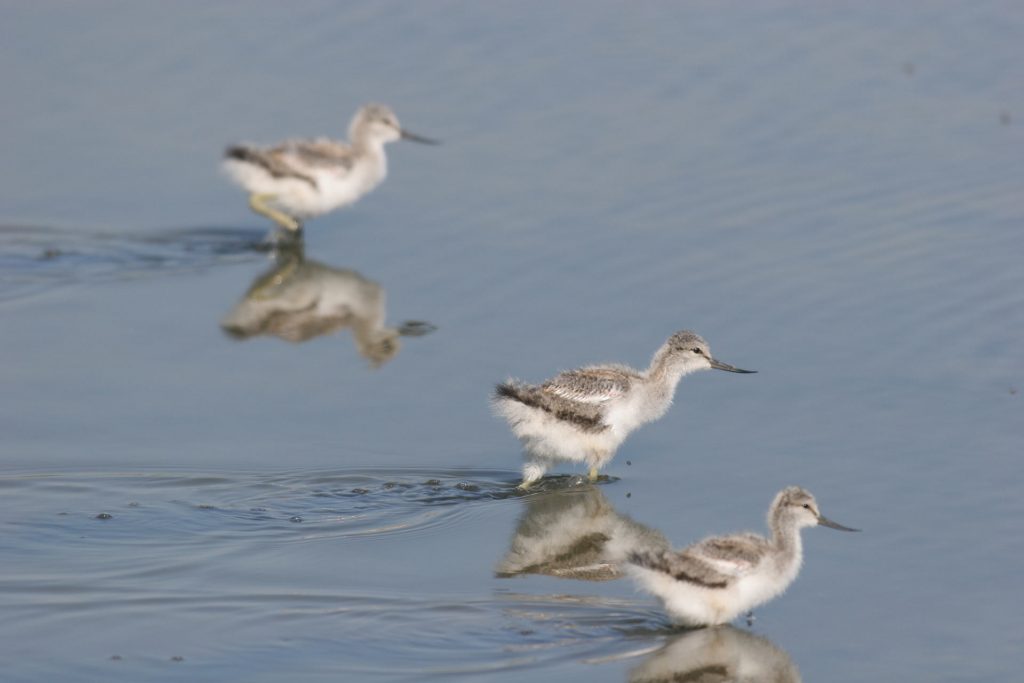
pixel 735 555
pixel 712 563
pixel 575 396
pixel 586 416
pixel 296 158
pixel 593 384
pixel 320 152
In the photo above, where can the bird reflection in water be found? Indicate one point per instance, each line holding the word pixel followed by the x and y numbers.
pixel 299 299
pixel 717 654
pixel 575 533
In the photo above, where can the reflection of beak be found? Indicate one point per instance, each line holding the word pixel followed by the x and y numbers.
pixel 406 135
pixel 719 365
pixel 415 328
pixel 825 521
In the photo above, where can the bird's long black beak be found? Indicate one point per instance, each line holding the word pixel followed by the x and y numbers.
pixel 406 135
pixel 825 521
pixel 719 365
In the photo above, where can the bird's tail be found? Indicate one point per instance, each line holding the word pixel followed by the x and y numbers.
pixel 508 390
pixel 648 559
pixel 239 152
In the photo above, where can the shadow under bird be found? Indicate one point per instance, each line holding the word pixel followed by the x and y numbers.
pixel 574 534
pixel 301 179
pixel 716 580
pixel 717 655
pixel 584 415
pixel 301 299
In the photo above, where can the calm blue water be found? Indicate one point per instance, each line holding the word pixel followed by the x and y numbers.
pixel 829 195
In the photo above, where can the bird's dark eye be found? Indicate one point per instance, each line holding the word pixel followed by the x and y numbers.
pixel 698 352
pixel 807 506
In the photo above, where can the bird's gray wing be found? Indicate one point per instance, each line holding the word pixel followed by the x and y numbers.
pixel 735 555
pixel 273 161
pixel 681 566
pixel 589 385
pixel 314 154
pixel 586 416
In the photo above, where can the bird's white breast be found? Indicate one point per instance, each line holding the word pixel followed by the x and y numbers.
pixel 338 187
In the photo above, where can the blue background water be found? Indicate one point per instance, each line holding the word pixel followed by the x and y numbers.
pixel 830 195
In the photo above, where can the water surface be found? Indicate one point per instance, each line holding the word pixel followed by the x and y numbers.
pixel 828 195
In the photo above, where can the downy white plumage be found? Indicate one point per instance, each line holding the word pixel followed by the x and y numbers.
pixel 718 579
pixel 584 415
pixel 300 179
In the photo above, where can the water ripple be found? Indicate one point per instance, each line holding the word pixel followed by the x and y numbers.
pixel 210 567
pixel 35 259
pixel 192 506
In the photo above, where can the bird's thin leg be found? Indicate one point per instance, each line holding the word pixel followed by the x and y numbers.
pixel 532 471
pixel 593 474
pixel 258 203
